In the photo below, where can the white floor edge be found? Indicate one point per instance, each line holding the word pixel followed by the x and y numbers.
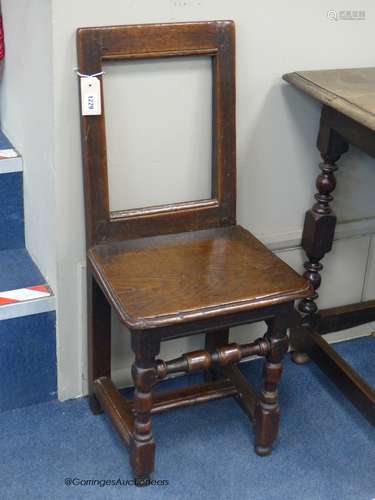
pixel 10 165
pixel 27 308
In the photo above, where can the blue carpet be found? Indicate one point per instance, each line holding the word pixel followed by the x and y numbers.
pixel 27 360
pixel 17 270
pixel 359 357
pixel 11 211
pixel 326 449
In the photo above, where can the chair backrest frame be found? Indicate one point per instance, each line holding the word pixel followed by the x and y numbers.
pixel 212 38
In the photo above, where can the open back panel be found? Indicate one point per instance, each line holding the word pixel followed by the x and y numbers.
pixel 212 38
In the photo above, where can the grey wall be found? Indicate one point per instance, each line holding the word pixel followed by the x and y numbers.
pixel 277 126
pixel 162 144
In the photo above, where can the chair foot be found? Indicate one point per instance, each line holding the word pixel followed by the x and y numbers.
pixel 267 411
pixel 95 406
pixel 142 481
pixel 300 358
pixel 267 422
pixel 263 451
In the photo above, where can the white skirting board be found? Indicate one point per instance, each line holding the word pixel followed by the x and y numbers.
pixel 292 239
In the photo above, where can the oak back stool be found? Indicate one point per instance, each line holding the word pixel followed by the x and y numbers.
pixel 179 269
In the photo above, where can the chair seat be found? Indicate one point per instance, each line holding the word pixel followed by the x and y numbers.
pixel 165 280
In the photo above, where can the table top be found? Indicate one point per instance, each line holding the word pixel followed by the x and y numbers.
pixel 349 91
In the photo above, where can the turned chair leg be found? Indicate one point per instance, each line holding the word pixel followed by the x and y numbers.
pixel 267 413
pixel 99 338
pixel 142 444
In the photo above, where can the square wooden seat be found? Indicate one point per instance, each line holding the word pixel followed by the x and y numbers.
pixel 168 280
pixel 180 269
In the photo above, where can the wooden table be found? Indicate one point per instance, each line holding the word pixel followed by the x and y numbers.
pixel 347 117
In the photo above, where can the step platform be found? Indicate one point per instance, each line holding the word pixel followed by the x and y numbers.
pixel 10 159
pixel 27 303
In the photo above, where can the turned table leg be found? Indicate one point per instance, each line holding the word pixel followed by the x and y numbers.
pixel 320 224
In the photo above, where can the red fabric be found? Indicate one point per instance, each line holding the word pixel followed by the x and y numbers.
pixel 4 301
pixel 39 288
pixel 2 44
